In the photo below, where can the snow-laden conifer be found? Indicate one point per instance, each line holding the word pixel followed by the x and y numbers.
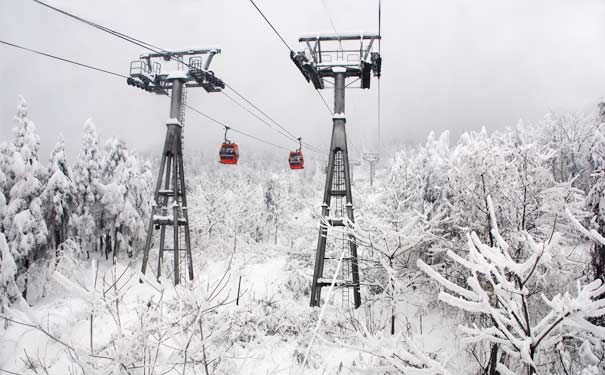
pixel 58 196
pixel 24 222
pixel 86 177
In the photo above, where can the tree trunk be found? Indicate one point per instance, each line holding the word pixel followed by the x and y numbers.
pixel 493 360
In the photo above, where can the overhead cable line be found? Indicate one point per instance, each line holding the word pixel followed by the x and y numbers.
pixel 233 129
pixel 291 136
pixel 331 21
pixel 253 114
pixel 63 59
pixel 289 49
pixel 325 102
pixel 271 25
pixel 156 49
pixel 123 76
pixel 118 34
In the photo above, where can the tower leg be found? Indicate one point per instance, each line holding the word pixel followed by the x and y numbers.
pixel 338 144
pixel 186 216
pixel 320 253
pixel 173 177
pixel 155 202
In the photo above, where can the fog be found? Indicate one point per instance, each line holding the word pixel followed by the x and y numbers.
pixel 447 64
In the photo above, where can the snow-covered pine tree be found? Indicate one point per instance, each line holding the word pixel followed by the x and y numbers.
pixel 86 176
pixel 24 222
pixel 126 192
pixel 59 195
pixel 113 202
pixel 8 271
pixel 2 199
pixel 130 221
pixel 116 153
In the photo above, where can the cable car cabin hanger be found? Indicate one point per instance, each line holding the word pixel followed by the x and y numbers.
pixel 228 153
pixel 296 159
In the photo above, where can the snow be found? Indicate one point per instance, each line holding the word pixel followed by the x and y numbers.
pixel 177 74
pixel 351 34
pixel 449 250
pixel 173 121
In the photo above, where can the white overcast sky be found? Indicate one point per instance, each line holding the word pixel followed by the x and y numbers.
pixel 447 64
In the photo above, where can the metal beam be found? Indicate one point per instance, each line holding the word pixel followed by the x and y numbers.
pixel 183 52
pixel 337 37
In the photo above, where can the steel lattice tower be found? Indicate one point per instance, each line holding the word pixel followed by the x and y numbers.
pixel 169 212
pixel 333 57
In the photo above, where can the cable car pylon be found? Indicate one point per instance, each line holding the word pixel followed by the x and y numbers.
pixel 334 56
pixel 170 199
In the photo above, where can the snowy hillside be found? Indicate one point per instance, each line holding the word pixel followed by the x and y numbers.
pixel 484 247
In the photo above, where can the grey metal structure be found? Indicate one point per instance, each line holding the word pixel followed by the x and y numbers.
pixel 170 197
pixel 332 56
pixel 372 158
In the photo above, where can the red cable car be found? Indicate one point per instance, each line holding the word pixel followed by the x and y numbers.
pixel 229 153
pixel 296 159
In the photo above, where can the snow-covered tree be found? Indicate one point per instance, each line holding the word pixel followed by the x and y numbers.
pixel 115 154
pixel 2 199
pixel 596 195
pixel 479 166
pixel 86 177
pixel 126 203
pixel 570 136
pixel 126 196
pixel 8 272
pixel 497 287
pixel 24 222
pixel 58 197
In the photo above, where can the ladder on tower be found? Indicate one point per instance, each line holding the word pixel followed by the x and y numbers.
pixel 330 246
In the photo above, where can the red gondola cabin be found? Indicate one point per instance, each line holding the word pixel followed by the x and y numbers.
pixel 228 154
pixel 296 160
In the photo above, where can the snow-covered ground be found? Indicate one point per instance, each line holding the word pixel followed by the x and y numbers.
pixel 65 314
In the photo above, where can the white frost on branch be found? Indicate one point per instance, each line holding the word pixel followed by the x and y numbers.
pixel 497 288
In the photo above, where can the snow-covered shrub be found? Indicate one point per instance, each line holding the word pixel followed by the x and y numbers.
pixel 297 285
pixel 66 259
pixel 498 288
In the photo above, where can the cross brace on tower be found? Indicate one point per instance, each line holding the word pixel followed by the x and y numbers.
pixel 317 64
pixel 169 211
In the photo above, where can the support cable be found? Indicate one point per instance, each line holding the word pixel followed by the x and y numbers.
pixel 123 76
pixel 289 136
pixel 63 59
pixel 289 50
pixel 271 25
pixel 154 49
pixel 235 130
pixel 331 21
pixel 115 33
pixel 325 102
